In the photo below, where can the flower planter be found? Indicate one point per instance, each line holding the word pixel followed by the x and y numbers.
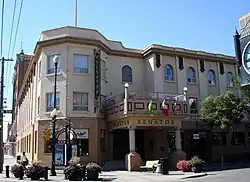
pixel 73 173
pixel 186 170
pixel 35 177
pixel 18 171
pixel 19 174
pixel 197 168
pixel 92 175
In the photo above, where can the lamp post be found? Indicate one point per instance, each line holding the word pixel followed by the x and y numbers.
pixel 126 85
pixel 53 115
pixel 185 89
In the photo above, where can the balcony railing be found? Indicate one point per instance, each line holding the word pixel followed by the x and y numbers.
pixel 138 104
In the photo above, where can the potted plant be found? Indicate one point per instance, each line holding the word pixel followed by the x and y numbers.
pixel 196 164
pixel 75 171
pixel 18 170
pixel 93 171
pixel 183 165
pixel 35 171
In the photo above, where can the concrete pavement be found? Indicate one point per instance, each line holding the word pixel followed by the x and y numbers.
pixel 234 175
pixel 121 176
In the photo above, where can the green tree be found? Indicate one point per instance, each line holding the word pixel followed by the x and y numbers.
pixel 222 111
pixel 244 91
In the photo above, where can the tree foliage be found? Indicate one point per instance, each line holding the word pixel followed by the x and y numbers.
pixel 222 111
pixel 244 91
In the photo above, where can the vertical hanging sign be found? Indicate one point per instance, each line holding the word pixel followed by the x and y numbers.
pixel 97 55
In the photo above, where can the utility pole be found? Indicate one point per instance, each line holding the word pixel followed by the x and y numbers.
pixel 1 113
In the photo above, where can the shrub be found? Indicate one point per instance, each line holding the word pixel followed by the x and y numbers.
pixel 183 165
pixel 17 170
pixel 93 171
pixel 93 167
pixel 74 172
pixel 35 171
pixel 195 161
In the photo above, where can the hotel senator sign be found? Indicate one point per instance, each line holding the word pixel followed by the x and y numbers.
pixel 141 122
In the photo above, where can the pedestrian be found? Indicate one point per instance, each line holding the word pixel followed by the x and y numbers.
pixel 24 160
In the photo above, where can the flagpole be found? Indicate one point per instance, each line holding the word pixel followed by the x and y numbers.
pixel 76 13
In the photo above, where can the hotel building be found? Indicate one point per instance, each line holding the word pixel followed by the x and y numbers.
pixel 111 120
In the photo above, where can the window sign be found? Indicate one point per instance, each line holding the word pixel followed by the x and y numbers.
pixel 82 133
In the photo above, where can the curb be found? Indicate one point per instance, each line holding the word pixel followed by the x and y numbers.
pixel 195 176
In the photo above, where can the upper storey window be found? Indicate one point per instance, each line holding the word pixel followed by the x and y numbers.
pixel 81 63
pixel 127 74
pixel 51 65
pixel 230 82
pixel 168 73
pixel 191 76
pixel 211 77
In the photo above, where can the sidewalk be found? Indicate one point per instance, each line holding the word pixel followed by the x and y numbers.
pixel 125 176
pixel 9 160
pixel 121 176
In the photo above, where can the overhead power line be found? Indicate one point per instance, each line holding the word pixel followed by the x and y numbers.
pixel 12 26
pixel 18 21
pixel 9 64
pixel 2 24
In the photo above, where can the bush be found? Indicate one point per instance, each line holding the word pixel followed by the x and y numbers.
pixel 17 170
pixel 183 165
pixel 35 171
pixel 75 171
pixel 93 171
pixel 195 161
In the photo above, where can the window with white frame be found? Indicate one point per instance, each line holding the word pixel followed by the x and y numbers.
pixel 81 63
pixel 211 77
pixel 51 65
pixel 50 101
pixel 230 82
pixel 168 73
pixel 80 101
pixel 191 75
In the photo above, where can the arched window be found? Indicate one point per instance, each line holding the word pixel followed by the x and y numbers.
pixel 168 73
pixel 126 74
pixel 230 82
pixel 211 77
pixel 191 76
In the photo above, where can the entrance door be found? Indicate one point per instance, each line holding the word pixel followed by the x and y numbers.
pixel 199 145
pixel 120 144
pixel 139 142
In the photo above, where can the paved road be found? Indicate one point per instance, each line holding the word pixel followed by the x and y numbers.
pixel 236 175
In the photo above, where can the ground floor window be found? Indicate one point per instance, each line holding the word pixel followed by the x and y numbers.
pixel 238 138
pixel 219 138
pixel 83 147
pixel 47 146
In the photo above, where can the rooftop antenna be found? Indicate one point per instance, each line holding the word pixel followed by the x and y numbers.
pixel 21 46
pixel 76 13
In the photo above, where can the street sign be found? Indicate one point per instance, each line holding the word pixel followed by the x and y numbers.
pixel 7 111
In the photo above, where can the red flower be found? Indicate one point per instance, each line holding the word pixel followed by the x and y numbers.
pixel 183 165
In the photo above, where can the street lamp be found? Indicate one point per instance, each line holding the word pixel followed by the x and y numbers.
pixel 185 89
pixel 53 115
pixel 126 85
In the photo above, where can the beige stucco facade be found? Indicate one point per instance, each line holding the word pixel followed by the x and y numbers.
pixel 147 76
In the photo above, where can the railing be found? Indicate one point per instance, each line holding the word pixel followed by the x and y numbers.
pixel 146 96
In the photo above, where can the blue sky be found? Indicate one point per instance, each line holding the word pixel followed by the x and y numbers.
pixel 193 24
